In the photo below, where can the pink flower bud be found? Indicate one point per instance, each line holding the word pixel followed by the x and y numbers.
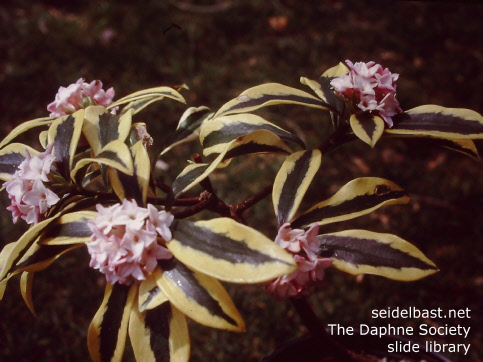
pixel 30 199
pixel 127 241
pixel 370 88
pixel 79 95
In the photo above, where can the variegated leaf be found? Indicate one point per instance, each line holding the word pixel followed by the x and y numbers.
pixel 150 295
pixel 11 157
pixel 17 250
pixel 229 251
pixel 65 133
pixel 437 121
pixel 159 334
pixel 188 127
pixel 68 229
pixel 151 93
pixel 4 255
pixel 140 104
pixel 292 181
pixel 337 71
pixel 466 147
pixel 216 133
pixel 255 142
pixel 266 95
pixel 199 296
pixel 115 154
pixel 44 138
pixel 101 127
pixel 38 257
pixel 25 126
pixel 134 186
pixel 107 333
pixel 356 198
pixel 190 176
pixel 26 283
pixel 365 252
pixel 324 90
pixel 367 127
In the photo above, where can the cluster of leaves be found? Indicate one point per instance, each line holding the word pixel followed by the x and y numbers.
pixel 102 158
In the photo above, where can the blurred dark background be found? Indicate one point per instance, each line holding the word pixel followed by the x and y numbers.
pixel 219 48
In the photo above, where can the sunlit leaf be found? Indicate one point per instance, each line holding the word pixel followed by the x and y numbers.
pixel 216 133
pixel 159 334
pixel 266 95
pixel 108 330
pixel 25 126
pixel 229 251
pixel 11 157
pixel 367 127
pixel 150 93
pixel 365 252
pixel 101 127
pixel 292 182
pixel 200 297
pixel 356 198
pixel 116 154
pixel 68 229
pixel 437 121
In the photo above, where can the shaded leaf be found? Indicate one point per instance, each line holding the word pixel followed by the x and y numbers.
pixel 17 250
pixel 356 198
pixel 217 133
pixel 26 283
pixel 367 127
pixel 65 133
pixel 229 251
pixel 256 142
pixel 188 126
pixel 292 182
pixel 150 295
pixel 107 332
pixel 266 95
pixel 39 257
pixel 365 252
pixel 200 297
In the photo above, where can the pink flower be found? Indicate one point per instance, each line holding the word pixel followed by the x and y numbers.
pixel 80 95
pixel 370 88
pixel 304 246
pixel 30 199
pixel 125 245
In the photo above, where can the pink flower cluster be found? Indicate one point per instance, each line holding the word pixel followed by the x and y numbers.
pixel 124 243
pixel 371 88
pixel 79 95
pixel 26 190
pixel 310 267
